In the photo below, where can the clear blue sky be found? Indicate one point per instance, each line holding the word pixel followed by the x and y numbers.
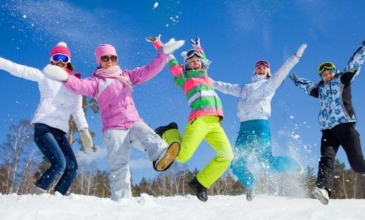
pixel 234 33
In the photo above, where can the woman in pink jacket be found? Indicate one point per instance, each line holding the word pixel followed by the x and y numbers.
pixel 123 128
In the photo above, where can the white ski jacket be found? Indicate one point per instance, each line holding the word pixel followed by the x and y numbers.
pixel 254 99
pixel 56 104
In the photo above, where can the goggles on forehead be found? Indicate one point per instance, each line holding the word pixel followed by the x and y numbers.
pixel 263 62
pixel 60 57
pixel 326 66
pixel 192 53
pixel 106 58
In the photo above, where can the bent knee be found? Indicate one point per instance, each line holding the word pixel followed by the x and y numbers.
pixel 358 168
pixel 227 156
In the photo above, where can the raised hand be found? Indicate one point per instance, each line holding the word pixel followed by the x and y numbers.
pixel 152 39
pixel 300 50
pixel 195 43
pixel 295 78
pixel 172 45
pixel 156 41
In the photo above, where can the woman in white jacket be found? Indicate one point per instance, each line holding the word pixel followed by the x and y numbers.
pixel 51 118
pixel 254 109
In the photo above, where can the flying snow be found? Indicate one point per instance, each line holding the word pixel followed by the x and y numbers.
pixel 155 5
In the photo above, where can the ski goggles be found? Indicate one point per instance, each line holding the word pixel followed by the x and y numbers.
pixel 106 58
pixel 326 66
pixel 192 53
pixel 262 62
pixel 60 57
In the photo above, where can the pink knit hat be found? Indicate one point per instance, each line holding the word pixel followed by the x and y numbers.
pixel 104 49
pixel 61 48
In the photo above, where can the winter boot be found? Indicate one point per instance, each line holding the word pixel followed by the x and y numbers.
pixel 249 195
pixel 321 194
pixel 167 157
pixel 199 189
pixel 37 190
pixel 160 130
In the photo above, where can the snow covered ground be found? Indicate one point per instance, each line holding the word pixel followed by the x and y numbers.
pixel 46 206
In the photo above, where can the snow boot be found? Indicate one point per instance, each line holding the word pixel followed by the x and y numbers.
pixel 249 195
pixel 321 194
pixel 160 130
pixel 37 190
pixel 167 157
pixel 199 189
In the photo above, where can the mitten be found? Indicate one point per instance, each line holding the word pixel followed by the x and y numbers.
pixel 300 50
pixel 172 45
pixel 86 139
pixel 295 78
pixel 56 72
pixel 156 41
pixel 195 43
pixel 170 57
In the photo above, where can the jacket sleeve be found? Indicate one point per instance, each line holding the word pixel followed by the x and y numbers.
pixel 175 68
pixel 21 71
pixel 277 78
pixel 88 86
pixel 309 87
pixel 353 66
pixel 227 88
pixel 357 59
pixel 142 74
pixel 79 115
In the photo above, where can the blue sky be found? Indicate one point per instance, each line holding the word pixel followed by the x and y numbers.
pixel 234 34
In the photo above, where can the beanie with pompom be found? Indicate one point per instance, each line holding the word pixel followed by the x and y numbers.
pixel 61 48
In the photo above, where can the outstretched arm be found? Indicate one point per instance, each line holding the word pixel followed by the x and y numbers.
pixel 167 48
pixel 357 59
pixel 278 77
pixel 21 71
pixel 309 87
pixel 227 88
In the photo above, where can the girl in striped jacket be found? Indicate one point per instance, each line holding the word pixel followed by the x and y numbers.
pixel 204 119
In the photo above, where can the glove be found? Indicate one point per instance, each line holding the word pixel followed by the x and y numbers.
pixel 86 140
pixel 172 45
pixel 170 57
pixel 56 72
pixel 156 41
pixel 295 78
pixel 195 43
pixel 300 50
pixel 152 39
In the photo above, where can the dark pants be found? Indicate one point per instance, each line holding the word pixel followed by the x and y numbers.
pixel 345 135
pixel 55 147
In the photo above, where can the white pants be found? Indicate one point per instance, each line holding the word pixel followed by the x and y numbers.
pixel 118 144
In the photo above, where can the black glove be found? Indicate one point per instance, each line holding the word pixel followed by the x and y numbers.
pixel 295 78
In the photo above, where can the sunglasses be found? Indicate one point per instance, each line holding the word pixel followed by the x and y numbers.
pixel 192 53
pixel 106 58
pixel 326 66
pixel 263 62
pixel 60 57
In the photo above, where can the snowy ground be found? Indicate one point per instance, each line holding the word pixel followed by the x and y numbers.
pixel 46 206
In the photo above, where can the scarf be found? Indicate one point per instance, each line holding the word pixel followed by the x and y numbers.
pixel 116 73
